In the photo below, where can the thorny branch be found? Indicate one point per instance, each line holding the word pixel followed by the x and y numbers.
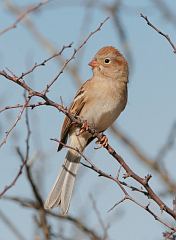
pixel 130 173
pixel 120 184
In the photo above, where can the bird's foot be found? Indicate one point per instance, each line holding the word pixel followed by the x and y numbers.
pixel 103 141
pixel 84 128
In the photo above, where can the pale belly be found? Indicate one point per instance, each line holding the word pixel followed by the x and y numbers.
pixel 101 115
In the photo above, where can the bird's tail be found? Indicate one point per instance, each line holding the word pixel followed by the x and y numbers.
pixel 63 187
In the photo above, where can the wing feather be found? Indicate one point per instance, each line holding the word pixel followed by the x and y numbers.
pixel 75 108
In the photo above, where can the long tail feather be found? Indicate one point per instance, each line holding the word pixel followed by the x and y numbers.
pixel 55 193
pixel 63 187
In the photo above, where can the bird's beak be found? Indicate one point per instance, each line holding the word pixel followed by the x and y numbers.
pixel 93 63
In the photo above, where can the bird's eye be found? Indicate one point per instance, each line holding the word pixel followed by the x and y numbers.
pixel 107 60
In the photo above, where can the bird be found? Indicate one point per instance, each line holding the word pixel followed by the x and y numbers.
pixel 99 102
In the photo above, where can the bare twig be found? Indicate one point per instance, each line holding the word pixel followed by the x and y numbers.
pixel 11 107
pixel 23 15
pixel 160 32
pixel 134 189
pixel 118 203
pixel 36 65
pixel 32 106
pixel 15 123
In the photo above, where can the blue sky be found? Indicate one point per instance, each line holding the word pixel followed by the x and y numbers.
pixel 147 118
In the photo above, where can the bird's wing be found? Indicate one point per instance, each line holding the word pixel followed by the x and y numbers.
pixel 75 108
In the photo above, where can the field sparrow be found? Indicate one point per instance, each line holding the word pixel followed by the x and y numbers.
pixel 99 101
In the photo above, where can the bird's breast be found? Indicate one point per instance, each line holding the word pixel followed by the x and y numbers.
pixel 104 104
